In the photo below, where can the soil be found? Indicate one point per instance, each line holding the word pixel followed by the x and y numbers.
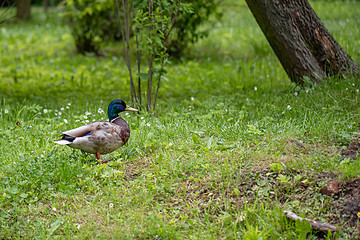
pixel 348 204
pixel 349 196
pixel 348 201
pixel 352 151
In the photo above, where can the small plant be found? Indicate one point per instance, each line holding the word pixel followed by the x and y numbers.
pixel 276 167
pixel 252 232
pixel 153 23
pixel 253 130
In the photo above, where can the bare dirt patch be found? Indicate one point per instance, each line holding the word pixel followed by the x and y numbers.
pixel 348 204
pixel 353 149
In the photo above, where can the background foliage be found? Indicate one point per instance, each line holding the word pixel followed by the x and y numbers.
pixel 93 22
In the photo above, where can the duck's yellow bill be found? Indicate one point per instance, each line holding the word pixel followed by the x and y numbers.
pixel 131 109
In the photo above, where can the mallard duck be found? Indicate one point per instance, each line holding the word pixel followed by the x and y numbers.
pixel 100 137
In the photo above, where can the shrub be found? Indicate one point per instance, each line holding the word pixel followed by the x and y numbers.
pixel 187 26
pixel 91 23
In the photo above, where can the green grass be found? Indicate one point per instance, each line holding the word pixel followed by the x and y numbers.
pixel 216 159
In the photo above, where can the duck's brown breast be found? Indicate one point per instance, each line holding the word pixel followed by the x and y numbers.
pixel 124 129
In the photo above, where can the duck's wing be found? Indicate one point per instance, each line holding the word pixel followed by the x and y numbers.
pixel 88 129
pixel 84 132
pixel 78 132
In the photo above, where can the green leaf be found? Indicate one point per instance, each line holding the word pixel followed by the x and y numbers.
pixel 23 195
pixel 195 138
pixel 54 226
pixel 13 190
pixel 236 191
pixel 143 76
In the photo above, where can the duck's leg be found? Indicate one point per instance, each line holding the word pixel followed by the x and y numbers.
pixel 104 161
pixel 98 158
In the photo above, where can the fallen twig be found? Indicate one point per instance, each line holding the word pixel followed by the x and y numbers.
pixel 316 225
pixel 297 143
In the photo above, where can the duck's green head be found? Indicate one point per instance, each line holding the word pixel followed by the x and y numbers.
pixel 117 106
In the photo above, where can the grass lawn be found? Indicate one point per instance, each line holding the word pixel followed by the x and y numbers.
pixel 233 143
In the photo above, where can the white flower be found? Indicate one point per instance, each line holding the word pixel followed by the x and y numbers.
pixel 85 117
pixel 296 93
pixel 192 98
pixel 77 120
pixel 289 107
pixel 357 90
pixel 307 90
pixel 148 124
pixel 67 107
pixel 60 113
pixel 62 109
pixel 127 114
pixel 170 144
pixel 69 104
pixel 87 113
pixel 255 88
pixel 65 121
pixel 100 111
pixel 111 205
pixel 6 111
pixel 45 110
pixel 86 121
pixel 142 118
pixel 241 218
pixel 54 209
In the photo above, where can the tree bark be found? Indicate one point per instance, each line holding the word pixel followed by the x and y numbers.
pixel 23 9
pixel 300 40
pixel 45 4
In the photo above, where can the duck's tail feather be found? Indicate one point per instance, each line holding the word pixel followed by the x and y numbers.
pixel 66 139
pixel 62 142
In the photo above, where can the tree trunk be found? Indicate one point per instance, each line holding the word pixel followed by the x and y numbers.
pixel 300 40
pixel 23 9
pixel 45 4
